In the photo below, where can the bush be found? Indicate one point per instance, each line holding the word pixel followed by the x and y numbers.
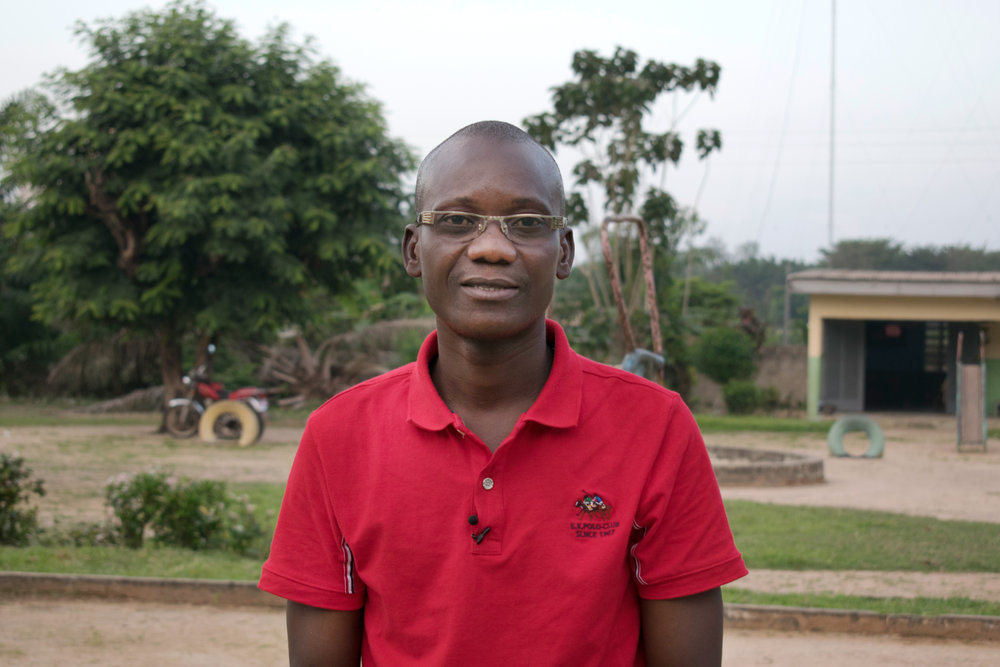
pixel 768 398
pixel 191 514
pixel 725 354
pixel 136 500
pixel 741 397
pixel 17 523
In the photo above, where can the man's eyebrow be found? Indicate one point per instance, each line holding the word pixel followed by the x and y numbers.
pixel 470 203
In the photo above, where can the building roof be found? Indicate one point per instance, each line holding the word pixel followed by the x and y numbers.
pixel 979 284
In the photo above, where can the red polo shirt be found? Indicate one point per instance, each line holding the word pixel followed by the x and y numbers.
pixel 602 493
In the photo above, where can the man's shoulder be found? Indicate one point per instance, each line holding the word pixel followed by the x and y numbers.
pixel 382 390
pixel 597 374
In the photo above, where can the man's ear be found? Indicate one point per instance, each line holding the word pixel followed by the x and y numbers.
pixel 411 251
pixel 567 251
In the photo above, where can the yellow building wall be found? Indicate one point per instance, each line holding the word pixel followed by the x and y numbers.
pixel 941 309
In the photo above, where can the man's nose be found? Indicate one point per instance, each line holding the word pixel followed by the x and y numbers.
pixel 492 245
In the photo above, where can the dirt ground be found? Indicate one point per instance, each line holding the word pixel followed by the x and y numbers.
pixel 921 473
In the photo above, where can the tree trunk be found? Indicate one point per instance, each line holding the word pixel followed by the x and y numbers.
pixel 170 366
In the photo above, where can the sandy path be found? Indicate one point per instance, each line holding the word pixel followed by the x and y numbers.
pixel 151 635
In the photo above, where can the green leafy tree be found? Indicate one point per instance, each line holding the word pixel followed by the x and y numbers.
pixel 189 182
pixel 876 254
pixel 603 115
pixel 889 255
pixel 725 354
pixel 759 283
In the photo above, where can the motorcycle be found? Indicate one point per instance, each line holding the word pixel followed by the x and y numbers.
pixel 215 413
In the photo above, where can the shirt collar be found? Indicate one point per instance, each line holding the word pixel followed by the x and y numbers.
pixel 557 406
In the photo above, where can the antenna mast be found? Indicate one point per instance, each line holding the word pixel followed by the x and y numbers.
pixel 833 70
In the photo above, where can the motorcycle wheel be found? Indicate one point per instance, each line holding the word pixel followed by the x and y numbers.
pixel 230 420
pixel 181 421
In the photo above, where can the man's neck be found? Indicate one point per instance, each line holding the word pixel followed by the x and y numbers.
pixel 489 384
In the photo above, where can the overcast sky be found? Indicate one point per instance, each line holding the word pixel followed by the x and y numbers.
pixel 917 140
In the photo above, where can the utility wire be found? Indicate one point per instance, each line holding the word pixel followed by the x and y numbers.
pixel 784 124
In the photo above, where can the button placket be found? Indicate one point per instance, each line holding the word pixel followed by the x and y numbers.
pixel 487 534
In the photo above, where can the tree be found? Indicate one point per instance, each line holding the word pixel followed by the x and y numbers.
pixel 879 254
pixel 888 255
pixel 600 114
pixel 187 181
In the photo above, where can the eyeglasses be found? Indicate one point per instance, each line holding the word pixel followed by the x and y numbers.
pixel 520 228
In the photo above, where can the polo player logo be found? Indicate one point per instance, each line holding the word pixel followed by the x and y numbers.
pixel 594 506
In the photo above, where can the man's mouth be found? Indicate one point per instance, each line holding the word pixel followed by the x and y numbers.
pixel 484 287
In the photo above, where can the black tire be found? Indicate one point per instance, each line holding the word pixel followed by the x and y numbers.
pixel 181 421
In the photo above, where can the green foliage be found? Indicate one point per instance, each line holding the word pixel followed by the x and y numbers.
pixel 725 354
pixel 889 255
pixel 741 397
pixel 603 113
pixel 189 181
pixel 768 398
pixel 136 501
pixel 190 514
pixel 759 284
pixel 826 538
pixel 17 522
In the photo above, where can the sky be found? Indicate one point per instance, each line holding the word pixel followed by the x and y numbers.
pixel 916 89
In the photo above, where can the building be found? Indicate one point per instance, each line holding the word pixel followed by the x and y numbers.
pixel 888 340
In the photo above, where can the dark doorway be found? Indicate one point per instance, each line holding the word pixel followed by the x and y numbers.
pixel 906 365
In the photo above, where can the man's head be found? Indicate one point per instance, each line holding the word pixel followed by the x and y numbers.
pixel 493 130
pixel 489 286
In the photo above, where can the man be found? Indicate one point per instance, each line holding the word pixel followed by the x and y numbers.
pixel 501 501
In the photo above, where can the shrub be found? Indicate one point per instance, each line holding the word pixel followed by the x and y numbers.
pixel 741 397
pixel 17 523
pixel 768 398
pixel 191 514
pixel 725 354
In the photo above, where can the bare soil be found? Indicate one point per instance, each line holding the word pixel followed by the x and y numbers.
pixel 921 473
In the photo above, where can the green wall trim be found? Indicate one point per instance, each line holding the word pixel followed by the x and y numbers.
pixel 992 387
pixel 812 386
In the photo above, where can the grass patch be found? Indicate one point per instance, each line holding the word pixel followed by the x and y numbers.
pixel 821 538
pixel 149 561
pixel 265 497
pixel 757 423
pixel 916 606
pixel 44 414
pixel 67 413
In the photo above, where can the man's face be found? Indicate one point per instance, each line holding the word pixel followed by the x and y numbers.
pixel 489 288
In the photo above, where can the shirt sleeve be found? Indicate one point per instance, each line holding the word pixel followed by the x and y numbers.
pixel 683 543
pixel 310 561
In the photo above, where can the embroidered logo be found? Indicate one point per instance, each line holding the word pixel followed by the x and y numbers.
pixel 594 513
pixel 593 506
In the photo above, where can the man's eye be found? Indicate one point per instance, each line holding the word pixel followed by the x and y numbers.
pixel 454 220
pixel 526 222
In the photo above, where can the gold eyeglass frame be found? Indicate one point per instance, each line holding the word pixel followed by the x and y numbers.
pixel 555 221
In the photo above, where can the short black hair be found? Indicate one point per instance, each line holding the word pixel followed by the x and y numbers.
pixel 497 130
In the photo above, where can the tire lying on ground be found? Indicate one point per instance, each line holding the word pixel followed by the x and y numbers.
pixel 844 425
pixel 246 424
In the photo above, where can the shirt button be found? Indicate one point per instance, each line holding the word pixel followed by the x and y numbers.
pixel 488 483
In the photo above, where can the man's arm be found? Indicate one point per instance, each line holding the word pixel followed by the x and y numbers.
pixel 683 631
pixel 323 637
